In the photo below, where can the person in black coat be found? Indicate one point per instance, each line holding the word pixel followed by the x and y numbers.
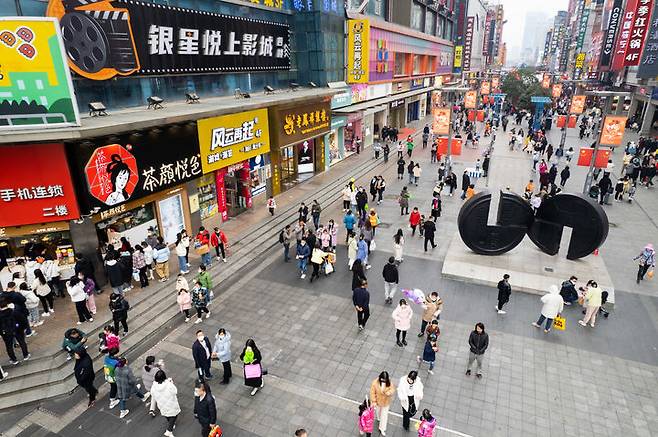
pixel 84 374
pixel 401 165
pixel 15 298
pixel 84 265
pixel 605 186
pixel 429 227
pixel 564 175
pixel 478 343
pixel 504 292
pixel 361 301
pixel 466 181
pixel 205 409
pixel 361 202
pixel 114 273
pixel 119 307
pixel 358 274
pixel 568 291
pixel 391 280
pixel 202 353
pixel 13 324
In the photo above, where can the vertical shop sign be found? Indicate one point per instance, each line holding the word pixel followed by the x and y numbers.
pixel 624 36
pixel 582 28
pixel 221 193
pixel 580 61
pixel 611 33
pixel 468 43
pixel 358 51
pixel 487 31
pixel 641 22
pixel 457 62
pixel 649 62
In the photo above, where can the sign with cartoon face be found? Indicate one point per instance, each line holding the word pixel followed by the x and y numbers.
pixel 612 133
pixel 112 174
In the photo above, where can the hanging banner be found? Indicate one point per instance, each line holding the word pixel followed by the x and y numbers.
pixel 624 36
pixel 610 33
pixel 580 60
pixel 480 115
pixel 485 88
pixel 612 132
pixel 546 81
pixel 457 62
pixel 441 121
pixel 585 157
pixel 470 99
pixel 35 84
pixel 107 38
pixel 649 62
pixel 556 91
pixel 582 28
pixel 468 43
pixel 561 121
pixel 358 52
pixel 573 119
pixel 639 32
pixel 577 105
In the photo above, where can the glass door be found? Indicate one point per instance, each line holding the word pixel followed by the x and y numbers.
pixel 288 173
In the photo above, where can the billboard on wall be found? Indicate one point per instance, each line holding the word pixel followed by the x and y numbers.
pixel 612 132
pixel 610 33
pixel 107 38
pixel 468 43
pixel 624 35
pixel 639 32
pixel 649 61
pixel 577 104
pixel 358 51
pixel 35 85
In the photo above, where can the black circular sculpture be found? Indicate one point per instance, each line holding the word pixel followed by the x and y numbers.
pixel 515 217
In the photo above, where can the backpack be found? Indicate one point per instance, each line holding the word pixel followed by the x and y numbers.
pixel 281 236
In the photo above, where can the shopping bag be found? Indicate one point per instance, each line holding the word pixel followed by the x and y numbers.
pixel 650 274
pixel 136 275
pixel 252 371
pixel 216 431
pixel 560 323
pixel 202 249
pixel 373 245
pixel 329 268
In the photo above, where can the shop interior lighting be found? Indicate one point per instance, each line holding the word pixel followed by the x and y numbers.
pixel 96 108
pixel 191 98
pixel 268 89
pixel 155 102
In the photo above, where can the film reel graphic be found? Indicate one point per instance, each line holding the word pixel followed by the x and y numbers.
pixel 98 38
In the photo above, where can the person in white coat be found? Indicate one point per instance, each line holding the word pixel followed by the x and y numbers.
pixel 553 305
pixel 164 396
pixel 402 316
pixel 76 290
pixel 410 393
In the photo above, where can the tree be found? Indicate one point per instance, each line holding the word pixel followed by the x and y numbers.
pixel 520 85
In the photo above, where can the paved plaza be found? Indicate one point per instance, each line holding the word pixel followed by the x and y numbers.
pixel 581 382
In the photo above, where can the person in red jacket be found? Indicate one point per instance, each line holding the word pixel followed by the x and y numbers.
pixel 218 240
pixel 201 244
pixel 414 220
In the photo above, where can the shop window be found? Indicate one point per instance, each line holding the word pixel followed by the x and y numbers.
pixel 131 224
pixel 377 7
pixel 448 30
pixel 417 64
pixel 400 64
pixel 29 8
pixel 430 22
pixel 52 244
pixel 417 17
pixel 441 24
pixel 431 64
pixel 207 196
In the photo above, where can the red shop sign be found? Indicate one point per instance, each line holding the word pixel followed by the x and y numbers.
pixel 35 185
pixel 112 174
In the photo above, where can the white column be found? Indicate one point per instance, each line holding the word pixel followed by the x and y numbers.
pixel 648 119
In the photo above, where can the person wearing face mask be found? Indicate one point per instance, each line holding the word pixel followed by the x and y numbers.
pixel 202 353
pixel 205 409
pixel 222 351
pixel 200 301
pixel 303 253
pixel 253 371
pixel 410 393
pixel 381 395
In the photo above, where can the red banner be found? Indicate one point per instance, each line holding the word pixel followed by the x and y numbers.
pixel 471 115
pixel 221 193
pixel 442 147
pixel 641 22
pixel 561 121
pixel 480 115
pixel 35 185
pixel 573 119
pixel 585 157
pixel 624 35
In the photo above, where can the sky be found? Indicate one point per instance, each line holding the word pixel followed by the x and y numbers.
pixel 515 11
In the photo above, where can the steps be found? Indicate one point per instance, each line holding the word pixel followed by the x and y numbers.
pixel 154 313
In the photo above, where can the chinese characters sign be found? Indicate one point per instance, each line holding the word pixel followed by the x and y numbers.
pixel 577 105
pixel 457 62
pixel 468 42
pixel 613 131
pixel 580 61
pixel 358 51
pixel 278 4
pixel 35 185
pixel 132 37
pixel 641 22
pixel 295 124
pixel 624 35
pixel 582 28
pixel 649 61
pixel 35 85
pixel 230 139
pixel 611 33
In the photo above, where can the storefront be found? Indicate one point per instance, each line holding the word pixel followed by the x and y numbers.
pixel 413 108
pixel 353 131
pixel 234 151
pixel 335 141
pixel 397 114
pixel 37 201
pixel 134 183
pixel 298 142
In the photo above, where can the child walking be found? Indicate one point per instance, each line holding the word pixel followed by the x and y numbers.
pixel 429 353
pixel 427 424
pixel 366 418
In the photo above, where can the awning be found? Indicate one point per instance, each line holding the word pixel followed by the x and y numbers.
pixel 381 101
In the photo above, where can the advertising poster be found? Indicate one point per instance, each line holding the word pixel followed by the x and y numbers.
pixel 624 35
pixel 294 124
pixel 171 214
pixel 611 32
pixel 468 43
pixel 470 99
pixel 485 88
pixel 305 157
pixel 649 60
pixel 459 50
pixel 612 132
pixel 229 139
pixel 35 83
pixel 556 91
pixel 358 51
pixel 110 38
pixel 577 105
pixel 441 121
pixel 546 81
pixel 495 81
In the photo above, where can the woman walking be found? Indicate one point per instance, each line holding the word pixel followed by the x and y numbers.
pixel 410 393
pixel 402 316
pixel 84 374
pixel 181 253
pixel 184 301
pixel 646 259
pixel 427 424
pixel 381 396
pixel 222 351
pixel 398 245
pixel 317 258
pixel 429 353
pixel 414 220
pixel 148 376
pixel 76 290
pixel 90 288
pixel 139 264
pixel 200 301
pixel 253 371
pixel 352 249
pixel 358 274
pixel 592 302
pixel 164 397
pixel 403 201
pixel 126 386
pixel 44 292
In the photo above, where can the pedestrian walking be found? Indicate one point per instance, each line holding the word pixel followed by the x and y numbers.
pixel 316 209
pixel 253 370
pixel 564 175
pixel 401 164
pixel 436 207
pixel 414 220
pixel 222 351
pixel 400 149
pixel 432 307
pixel 303 212
pixel 361 301
pixel 285 237
pixel 119 308
pixel 202 246
pixel 380 185
pixel 478 342
pixel 318 256
pixel 204 278
pixel 429 353
pixel 44 292
pixel 186 244
pixel 352 249
pixel 219 241
pixel 361 202
pixel 13 325
pixel 346 195
pixel 552 306
pixel 402 317
pixel 466 182
pixel 84 374
pixel 403 201
pixel 391 280
pixel 381 396
pixel 646 260
pixel 410 393
pixel 427 421
pixel 205 408
pixel 362 249
pixel 184 301
pixel 180 254
pixel 31 305
pixel 504 292
pixel 358 274
pixel 76 290
pixel 387 150
pixel 202 354
pixel 410 146
pixel 271 205
pixel 349 221
pixel 149 370
pixel 164 397
pixel 429 228
pixel 303 255
pixel 139 265
pixel 433 149
pixel 592 302
pixel 398 246
pixel 161 258
pixel 126 386
pixel 200 301
pixel 417 171
pixel 410 171
pixel 366 418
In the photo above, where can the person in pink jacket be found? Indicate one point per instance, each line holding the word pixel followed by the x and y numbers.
pixel 366 418
pixel 427 424
pixel 184 301
pixel 402 316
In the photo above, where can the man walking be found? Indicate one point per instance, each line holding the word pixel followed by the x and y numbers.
pixel 504 292
pixel 466 182
pixel 202 353
pixel 349 220
pixel 478 343
pixel 391 280
pixel 429 227
pixel 361 301
pixel 13 324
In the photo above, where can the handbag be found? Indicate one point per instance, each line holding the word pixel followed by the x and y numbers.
pixel 136 275
pixel 202 249
pixel 252 371
pixel 216 431
pixel 560 323
pixel 373 245
pixel 329 268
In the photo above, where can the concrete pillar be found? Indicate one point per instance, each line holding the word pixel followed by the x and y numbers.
pixel 620 106
pixel 648 119
pixel 633 107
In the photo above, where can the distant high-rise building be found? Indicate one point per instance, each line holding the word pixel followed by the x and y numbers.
pixel 534 33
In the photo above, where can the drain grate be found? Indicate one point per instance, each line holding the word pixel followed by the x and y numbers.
pixel 384 225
